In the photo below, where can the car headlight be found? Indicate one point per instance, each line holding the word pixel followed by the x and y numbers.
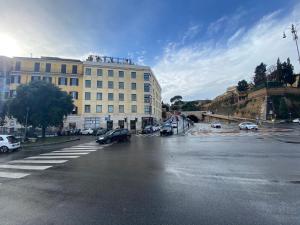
pixel 100 138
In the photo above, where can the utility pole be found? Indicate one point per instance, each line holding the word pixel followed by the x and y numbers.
pixel 295 37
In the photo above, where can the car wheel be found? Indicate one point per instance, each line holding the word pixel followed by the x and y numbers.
pixel 4 149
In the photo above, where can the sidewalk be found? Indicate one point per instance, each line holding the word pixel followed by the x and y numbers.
pixel 50 141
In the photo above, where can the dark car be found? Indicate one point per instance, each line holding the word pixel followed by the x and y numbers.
pixel 166 130
pixel 148 130
pixel 114 135
pixel 101 132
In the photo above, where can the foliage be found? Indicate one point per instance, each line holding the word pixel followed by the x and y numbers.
pixel 176 98
pixel 45 104
pixel 260 74
pixel 190 106
pixel 2 113
pixel 288 72
pixel 283 109
pixel 242 86
pixel 166 106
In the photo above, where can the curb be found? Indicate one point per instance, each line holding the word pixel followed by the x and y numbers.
pixel 54 143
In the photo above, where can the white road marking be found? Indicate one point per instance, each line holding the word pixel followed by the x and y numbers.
pixel 39 161
pixel 67 153
pixel 24 167
pixel 74 151
pixel 13 175
pixel 54 157
pixel 84 147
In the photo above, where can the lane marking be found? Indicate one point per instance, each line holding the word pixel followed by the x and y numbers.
pixel 86 147
pixel 67 153
pixel 75 151
pixel 13 175
pixel 39 161
pixel 53 157
pixel 24 167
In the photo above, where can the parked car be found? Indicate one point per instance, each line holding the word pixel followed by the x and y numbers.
pixel 148 129
pixel 88 131
pixel 9 143
pixel 248 126
pixel 114 135
pixel 216 125
pixel 101 131
pixel 166 130
pixel 174 124
pixel 156 127
pixel 297 120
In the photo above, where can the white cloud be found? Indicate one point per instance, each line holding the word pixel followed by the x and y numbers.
pixel 205 70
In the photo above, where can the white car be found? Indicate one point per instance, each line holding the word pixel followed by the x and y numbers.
pixel 8 143
pixel 216 125
pixel 88 131
pixel 155 128
pixel 297 120
pixel 248 126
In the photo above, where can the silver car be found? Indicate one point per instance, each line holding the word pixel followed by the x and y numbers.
pixel 248 126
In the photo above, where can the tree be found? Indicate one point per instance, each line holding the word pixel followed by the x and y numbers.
pixel 45 103
pixel 288 72
pixel 283 109
pixel 260 74
pixel 190 106
pixel 2 112
pixel 176 98
pixel 242 86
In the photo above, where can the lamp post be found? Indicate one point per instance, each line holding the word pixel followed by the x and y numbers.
pixel 295 37
pixel 26 120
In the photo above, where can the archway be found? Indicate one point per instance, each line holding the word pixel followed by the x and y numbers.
pixel 193 118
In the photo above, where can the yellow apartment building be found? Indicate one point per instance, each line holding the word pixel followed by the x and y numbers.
pixel 107 92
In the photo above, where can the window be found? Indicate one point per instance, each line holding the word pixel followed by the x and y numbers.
pixel 146 87
pixel 110 84
pixel 110 108
pixel 48 68
pixel 133 108
pixel 99 84
pixel 37 67
pixel 73 81
pixel 88 83
pixel 99 96
pixel 110 96
pixel 99 72
pixel 63 68
pixel 62 81
pixel 74 69
pixel 87 95
pixel 15 79
pixel 133 75
pixel 47 79
pixel 146 76
pixel 12 93
pixel 18 66
pixel 121 108
pixel 121 74
pixel 87 108
pixel 88 71
pixel 34 78
pixel 147 98
pixel 133 86
pixel 147 109
pixel 110 73
pixel 98 108
pixel 121 97
pixel 133 97
pixel 74 94
pixel 121 85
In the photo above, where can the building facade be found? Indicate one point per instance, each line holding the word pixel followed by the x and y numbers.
pixel 107 92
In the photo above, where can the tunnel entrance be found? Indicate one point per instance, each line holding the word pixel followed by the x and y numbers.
pixel 193 118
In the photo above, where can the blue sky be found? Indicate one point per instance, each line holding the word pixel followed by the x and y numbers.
pixel 196 48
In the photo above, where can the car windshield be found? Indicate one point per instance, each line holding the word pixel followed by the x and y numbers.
pixel 110 132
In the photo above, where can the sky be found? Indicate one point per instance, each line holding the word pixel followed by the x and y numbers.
pixel 196 48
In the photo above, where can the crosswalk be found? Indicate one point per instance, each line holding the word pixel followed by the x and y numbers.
pixel 21 168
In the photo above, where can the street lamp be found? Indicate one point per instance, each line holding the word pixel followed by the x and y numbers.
pixel 26 120
pixel 295 37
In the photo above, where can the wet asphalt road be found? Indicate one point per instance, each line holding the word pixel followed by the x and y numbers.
pixel 153 180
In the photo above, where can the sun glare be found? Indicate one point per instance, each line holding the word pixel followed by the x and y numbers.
pixel 8 46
